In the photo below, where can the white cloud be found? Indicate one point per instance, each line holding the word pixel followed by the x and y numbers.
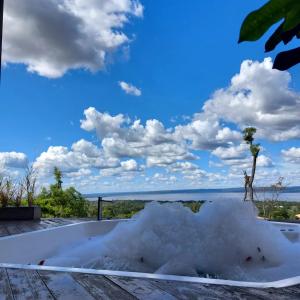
pixel 122 138
pixel 183 166
pixel 129 165
pixel 232 153
pixel 53 36
pixel 127 170
pixel 84 155
pixel 264 161
pixel 103 123
pixel 291 155
pixel 259 96
pixel 87 148
pixel 130 89
pixel 79 174
pixel 13 160
pixel 205 132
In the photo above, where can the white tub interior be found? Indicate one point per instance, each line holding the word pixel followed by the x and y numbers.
pixel 32 247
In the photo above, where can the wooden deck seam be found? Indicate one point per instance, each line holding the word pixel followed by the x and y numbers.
pixel 46 285
pixel 120 287
pixel 9 283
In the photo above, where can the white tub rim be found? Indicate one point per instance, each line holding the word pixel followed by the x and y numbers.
pixel 246 284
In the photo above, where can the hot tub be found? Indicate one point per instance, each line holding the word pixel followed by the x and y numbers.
pixel 26 250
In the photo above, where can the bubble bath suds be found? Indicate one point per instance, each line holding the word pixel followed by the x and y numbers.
pixel 225 240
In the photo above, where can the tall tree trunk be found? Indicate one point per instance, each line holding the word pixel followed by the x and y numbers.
pixel 252 177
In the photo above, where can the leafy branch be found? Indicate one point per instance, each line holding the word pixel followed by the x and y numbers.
pixel 259 21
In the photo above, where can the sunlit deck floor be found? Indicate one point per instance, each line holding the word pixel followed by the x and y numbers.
pixel 32 284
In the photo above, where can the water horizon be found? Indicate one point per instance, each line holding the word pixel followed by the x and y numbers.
pixel 291 195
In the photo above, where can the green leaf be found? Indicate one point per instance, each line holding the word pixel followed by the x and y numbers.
pixel 281 36
pixel 292 18
pixel 287 59
pixel 274 39
pixel 259 21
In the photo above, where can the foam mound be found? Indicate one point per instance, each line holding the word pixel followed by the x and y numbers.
pixel 225 239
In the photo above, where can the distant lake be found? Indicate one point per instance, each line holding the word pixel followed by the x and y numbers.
pixel 194 196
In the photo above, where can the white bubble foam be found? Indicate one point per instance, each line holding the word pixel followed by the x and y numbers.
pixel 225 240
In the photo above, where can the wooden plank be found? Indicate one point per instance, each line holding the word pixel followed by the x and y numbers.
pixel 60 221
pixel 5 290
pixel 190 291
pixel 288 293
pixel 33 226
pixel 102 288
pixel 38 286
pixel 27 226
pixel 45 225
pixel 3 230
pixel 20 285
pixel 50 222
pixel 63 286
pixel 141 288
pixel 12 228
pixel 209 291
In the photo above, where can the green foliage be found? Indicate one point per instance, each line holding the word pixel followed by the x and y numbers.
pixel 6 191
pixel 66 203
pixel 56 202
pixel 248 136
pixel 58 177
pixel 278 210
pixel 259 21
pixel 29 183
pixel 254 149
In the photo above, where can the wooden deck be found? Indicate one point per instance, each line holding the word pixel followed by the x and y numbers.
pixel 33 284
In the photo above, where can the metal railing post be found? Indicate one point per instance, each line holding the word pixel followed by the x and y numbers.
pixel 99 217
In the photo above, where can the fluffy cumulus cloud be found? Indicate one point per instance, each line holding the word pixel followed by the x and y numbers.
pixel 206 133
pixel 13 160
pixel 291 155
pixel 130 89
pixel 239 157
pixel 78 160
pixel 261 97
pixel 232 153
pixel 123 138
pixel 129 165
pixel 189 171
pixel 65 34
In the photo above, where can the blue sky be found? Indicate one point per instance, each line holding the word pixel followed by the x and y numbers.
pixel 176 54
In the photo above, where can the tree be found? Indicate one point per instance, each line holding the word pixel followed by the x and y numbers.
pixel 254 149
pixel 30 185
pixel 6 191
pixel 59 202
pixel 58 177
pixel 259 21
pixel 19 190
